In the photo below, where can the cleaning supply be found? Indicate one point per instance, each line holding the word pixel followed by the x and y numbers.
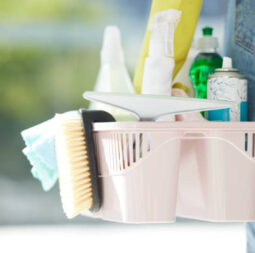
pixel 113 75
pixel 125 179
pixel 205 62
pixel 183 35
pixel 229 85
pixel 40 151
pixel 162 105
pixel 159 64
pixel 77 165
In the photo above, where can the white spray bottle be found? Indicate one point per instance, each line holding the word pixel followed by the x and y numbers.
pixel 159 65
pixel 113 75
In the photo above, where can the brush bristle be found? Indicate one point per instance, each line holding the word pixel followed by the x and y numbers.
pixel 73 165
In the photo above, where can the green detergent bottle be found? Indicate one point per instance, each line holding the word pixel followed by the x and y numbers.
pixel 205 62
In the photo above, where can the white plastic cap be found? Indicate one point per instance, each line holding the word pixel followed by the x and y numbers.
pixel 227 62
pixel 207 42
pixel 112 51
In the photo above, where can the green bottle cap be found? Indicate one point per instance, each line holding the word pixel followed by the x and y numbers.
pixel 207 31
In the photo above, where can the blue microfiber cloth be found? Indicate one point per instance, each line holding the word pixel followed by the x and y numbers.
pixel 40 151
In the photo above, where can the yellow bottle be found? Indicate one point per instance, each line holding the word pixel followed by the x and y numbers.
pixel 183 34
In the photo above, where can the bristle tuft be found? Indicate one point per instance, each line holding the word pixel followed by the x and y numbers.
pixel 73 165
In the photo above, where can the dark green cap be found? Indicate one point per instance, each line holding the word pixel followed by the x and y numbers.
pixel 207 31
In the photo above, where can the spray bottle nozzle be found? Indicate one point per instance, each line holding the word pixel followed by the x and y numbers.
pixel 112 49
pixel 162 26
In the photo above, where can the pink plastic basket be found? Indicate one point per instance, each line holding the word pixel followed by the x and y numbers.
pixel 155 171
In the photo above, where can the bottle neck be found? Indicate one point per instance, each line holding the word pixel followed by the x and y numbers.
pixel 209 50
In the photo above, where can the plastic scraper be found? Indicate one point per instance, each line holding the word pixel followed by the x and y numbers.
pixel 151 107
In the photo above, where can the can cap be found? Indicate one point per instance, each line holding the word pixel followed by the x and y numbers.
pixel 227 70
pixel 227 62
pixel 226 66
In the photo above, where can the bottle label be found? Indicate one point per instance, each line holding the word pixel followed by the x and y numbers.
pixel 228 89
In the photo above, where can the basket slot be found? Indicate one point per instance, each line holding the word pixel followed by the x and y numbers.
pixel 113 156
pixel 111 152
pixel 124 144
pixel 115 153
pixel 137 146
pixel 101 154
pixel 134 147
pixel 121 150
pixel 250 145
pixel 107 151
pixel 246 142
pixel 253 145
pixel 97 149
pixel 131 149
pixel 148 142
pixel 144 144
pixel 141 144
pixel 120 154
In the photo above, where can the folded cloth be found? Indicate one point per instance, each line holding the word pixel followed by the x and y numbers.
pixel 40 151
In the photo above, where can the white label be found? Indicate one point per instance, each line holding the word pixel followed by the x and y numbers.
pixel 229 89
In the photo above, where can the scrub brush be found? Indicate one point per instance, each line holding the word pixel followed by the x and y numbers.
pixel 77 166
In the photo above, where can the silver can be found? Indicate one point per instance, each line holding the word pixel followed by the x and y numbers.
pixel 229 85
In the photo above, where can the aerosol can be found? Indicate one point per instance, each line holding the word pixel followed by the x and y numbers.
pixel 229 85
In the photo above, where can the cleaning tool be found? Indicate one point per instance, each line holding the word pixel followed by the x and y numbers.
pixel 159 65
pixel 205 62
pixel 229 85
pixel 77 165
pixel 141 172
pixel 183 35
pixel 150 107
pixel 40 151
pixel 113 75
